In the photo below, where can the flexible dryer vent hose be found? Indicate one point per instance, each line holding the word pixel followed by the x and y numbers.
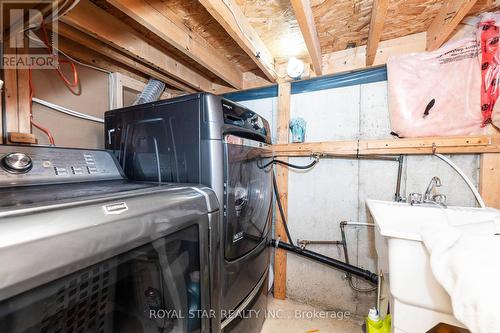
pixel 152 92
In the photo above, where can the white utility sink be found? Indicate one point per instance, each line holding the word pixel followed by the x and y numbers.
pixel 418 302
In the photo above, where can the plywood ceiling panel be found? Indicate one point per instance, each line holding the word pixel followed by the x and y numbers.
pixel 341 23
pixel 345 23
pixel 275 22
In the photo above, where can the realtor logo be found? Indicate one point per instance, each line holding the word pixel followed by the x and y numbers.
pixel 29 40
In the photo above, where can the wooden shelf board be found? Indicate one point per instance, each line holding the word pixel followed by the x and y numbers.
pixel 410 146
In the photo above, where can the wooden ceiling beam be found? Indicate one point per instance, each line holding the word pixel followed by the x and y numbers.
pixel 303 13
pixel 109 52
pixel 94 21
pixel 449 16
pixel 379 13
pixel 188 42
pixel 229 15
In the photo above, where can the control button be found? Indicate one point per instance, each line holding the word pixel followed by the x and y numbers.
pixel 46 164
pixel 60 171
pixel 17 163
pixel 92 169
pixel 77 170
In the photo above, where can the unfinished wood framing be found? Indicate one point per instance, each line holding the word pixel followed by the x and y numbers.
pixel 230 17
pixel 450 15
pixel 93 44
pixel 282 181
pixel 377 21
pixel 88 18
pixel 118 82
pixel 303 12
pixel 413 146
pixel 355 58
pixel 489 179
pixel 17 100
pixel 174 33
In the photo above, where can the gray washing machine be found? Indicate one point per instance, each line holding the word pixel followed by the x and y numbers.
pixel 206 139
pixel 85 250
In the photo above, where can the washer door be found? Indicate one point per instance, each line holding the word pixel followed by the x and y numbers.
pixel 248 194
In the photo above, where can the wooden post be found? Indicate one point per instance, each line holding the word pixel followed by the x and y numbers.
pixel 489 175
pixel 282 180
pixel 489 179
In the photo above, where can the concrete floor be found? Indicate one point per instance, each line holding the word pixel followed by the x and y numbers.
pixel 292 317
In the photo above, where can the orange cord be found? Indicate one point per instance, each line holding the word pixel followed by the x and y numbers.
pixel 61 75
pixel 41 128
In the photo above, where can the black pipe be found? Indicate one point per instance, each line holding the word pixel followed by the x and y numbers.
pixel 340 265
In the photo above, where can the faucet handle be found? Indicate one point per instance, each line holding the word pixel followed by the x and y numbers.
pixel 415 198
pixel 440 199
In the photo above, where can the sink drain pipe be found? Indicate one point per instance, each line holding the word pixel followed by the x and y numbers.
pixel 337 264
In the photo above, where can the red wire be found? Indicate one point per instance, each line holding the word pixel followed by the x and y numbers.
pixel 61 75
pixel 41 128
pixel 68 83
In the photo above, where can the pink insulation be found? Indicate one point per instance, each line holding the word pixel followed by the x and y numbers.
pixel 436 93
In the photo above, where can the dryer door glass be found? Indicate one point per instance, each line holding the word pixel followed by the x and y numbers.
pixel 153 288
pixel 248 194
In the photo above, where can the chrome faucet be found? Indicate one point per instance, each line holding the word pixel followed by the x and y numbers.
pixel 429 197
pixel 435 182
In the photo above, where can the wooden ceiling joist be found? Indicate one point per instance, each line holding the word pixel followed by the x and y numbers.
pixel 379 13
pixel 188 42
pixel 92 20
pixel 304 15
pixel 232 19
pixel 449 16
pixel 107 51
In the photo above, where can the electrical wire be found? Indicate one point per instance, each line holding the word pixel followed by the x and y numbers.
pixel 32 121
pixel 67 82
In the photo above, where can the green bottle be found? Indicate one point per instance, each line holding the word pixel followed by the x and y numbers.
pixel 375 325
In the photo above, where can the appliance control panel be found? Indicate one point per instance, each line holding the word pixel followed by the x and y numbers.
pixel 29 165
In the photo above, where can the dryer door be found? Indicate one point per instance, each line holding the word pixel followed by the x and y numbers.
pixel 248 194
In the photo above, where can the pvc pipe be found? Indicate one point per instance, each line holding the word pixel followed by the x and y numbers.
pixel 465 178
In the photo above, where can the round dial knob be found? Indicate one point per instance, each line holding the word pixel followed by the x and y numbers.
pixel 17 163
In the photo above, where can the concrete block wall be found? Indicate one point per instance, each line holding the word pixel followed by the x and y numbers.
pixel 337 189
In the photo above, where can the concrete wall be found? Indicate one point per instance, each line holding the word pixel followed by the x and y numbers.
pixel 337 189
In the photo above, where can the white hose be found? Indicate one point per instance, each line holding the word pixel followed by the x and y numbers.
pixel 465 178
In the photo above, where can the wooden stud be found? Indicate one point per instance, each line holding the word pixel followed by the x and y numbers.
pixel 450 15
pixel 282 181
pixel 232 19
pixel 23 101
pixel 489 179
pixel 184 40
pixel 11 110
pixel 94 21
pixel 305 18
pixel 379 13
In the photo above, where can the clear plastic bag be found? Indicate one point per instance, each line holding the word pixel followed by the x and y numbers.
pixel 436 93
